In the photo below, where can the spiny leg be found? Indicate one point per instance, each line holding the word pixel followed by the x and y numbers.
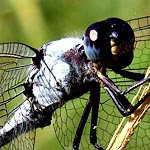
pixel 118 96
pixel 95 98
pixel 93 103
pixel 130 75
pixel 81 125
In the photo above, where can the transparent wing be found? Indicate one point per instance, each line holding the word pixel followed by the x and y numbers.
pixel 141 27
pixel 67 118
pixel 15 61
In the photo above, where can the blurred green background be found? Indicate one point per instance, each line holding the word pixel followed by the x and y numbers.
pixel 36 22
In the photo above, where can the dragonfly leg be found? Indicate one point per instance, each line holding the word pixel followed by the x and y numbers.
pixel 95 98
pixel 81 125
pixel 130 75
pixel 122 107
pixel 118 97
pixel 93 103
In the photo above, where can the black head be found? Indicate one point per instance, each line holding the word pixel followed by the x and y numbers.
pixel 110 42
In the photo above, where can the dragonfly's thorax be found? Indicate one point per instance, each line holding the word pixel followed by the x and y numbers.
pixel 77 61
pixel 61 73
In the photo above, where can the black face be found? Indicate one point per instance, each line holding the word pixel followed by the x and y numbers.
pixel 110 42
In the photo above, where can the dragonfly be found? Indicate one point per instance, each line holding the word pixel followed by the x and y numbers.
pixel 59 80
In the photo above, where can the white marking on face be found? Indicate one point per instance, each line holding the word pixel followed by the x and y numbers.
pixel 93 35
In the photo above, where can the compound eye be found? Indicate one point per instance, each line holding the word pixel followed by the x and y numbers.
pixel 93 35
